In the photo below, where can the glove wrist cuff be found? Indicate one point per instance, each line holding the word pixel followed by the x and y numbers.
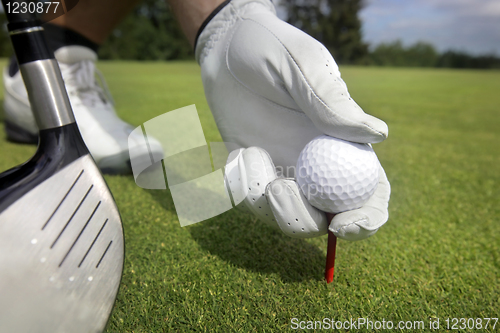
pixel 220 21
pixel 208 19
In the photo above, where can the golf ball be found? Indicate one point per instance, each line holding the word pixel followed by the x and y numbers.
pixel 337 175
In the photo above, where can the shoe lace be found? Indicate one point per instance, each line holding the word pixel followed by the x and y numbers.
pixel 81 78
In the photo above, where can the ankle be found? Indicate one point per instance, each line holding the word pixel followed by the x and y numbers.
pixel 59 36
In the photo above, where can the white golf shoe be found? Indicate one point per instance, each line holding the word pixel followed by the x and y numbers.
pixel 106 135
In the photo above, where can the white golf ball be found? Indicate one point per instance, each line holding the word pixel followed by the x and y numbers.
pixel 337 175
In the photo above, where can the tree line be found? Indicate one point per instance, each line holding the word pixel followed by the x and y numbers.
pixel 422 54
pixel 336 24
pixel 151 32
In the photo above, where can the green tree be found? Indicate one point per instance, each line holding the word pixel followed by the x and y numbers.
pixel 335 23
pixel 420 54
pixel 150 32
pixel 388 54
pixel 457 59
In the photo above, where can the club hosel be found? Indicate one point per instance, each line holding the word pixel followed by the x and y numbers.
pixel 47 93
pixel 41 74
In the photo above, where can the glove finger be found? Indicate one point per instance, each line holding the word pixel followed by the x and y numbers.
pixel 234 182
pixel 232 178
pixel 361 223
pixel 294 214
pixel 256 170
pixel 318 89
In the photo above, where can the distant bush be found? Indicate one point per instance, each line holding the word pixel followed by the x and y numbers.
pixel 456 59
pixel 422 54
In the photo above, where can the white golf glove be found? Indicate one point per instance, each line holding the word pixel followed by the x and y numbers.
pixel 272 86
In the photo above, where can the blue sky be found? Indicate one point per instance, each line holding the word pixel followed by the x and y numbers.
pixel 465 25
pixel 472 26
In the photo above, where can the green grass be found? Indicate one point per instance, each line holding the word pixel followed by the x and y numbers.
pixel 437 257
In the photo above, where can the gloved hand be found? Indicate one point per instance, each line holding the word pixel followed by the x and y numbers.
pixel 272 86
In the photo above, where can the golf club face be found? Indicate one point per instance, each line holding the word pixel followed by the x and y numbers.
pixel 62 254
pixel 61 237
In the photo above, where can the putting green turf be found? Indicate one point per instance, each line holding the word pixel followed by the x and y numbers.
pixel 437 257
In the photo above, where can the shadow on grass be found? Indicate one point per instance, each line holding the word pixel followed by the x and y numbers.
pixel 246 242
pixel 2 112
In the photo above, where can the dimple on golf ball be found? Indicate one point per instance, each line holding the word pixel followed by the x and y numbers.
pixel 337 175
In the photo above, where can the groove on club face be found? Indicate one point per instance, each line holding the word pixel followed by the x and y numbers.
pixel 105 251
pixel 65 245
pixel 73 185
pixel 72 215
pixel 91 245
pixel 78 237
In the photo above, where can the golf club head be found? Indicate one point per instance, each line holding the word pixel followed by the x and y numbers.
pixel 61 246
pixel 61 237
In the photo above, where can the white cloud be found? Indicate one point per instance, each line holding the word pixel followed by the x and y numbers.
pixel 468 25
pixel 467 7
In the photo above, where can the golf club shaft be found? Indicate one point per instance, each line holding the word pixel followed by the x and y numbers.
pixel 60 142
pixel 49 101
